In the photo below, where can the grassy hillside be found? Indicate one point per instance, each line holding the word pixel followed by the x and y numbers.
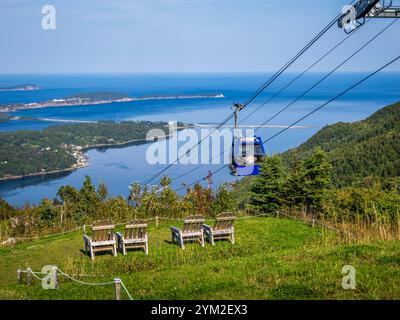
pixel 367 148
pixel 272 259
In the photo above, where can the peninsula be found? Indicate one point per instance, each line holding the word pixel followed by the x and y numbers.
pixel 95 98
pixel 62 147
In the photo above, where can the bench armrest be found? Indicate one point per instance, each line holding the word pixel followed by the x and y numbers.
pixel 175 230
pixel 119 235
pixel 207 228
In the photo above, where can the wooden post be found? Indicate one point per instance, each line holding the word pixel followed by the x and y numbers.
pixel 313 223
pixel 28 276
pixel 84 229
pixel 117 285
pixel 55 274
pixel 19 276
pixel 157 221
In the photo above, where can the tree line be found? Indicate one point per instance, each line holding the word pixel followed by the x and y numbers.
pixel 304 187
pixel 75 207
pixel 307 187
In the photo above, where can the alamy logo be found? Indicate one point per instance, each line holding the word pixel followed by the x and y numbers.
pixel 49 280
pixel 49 18
pixel 349 21
pixel 204 146
pixel 349 280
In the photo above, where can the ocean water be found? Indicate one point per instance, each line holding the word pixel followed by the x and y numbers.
pixel 120 167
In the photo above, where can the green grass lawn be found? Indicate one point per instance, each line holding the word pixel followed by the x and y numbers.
pixel 272 259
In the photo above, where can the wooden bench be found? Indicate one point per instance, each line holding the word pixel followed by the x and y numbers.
pixel 135 236
pixel 223 229
pixel 102 239
pixel 192 230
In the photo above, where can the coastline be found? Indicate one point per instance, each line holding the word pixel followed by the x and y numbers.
pixel 82 159
pixel 75 103
pixel 45 173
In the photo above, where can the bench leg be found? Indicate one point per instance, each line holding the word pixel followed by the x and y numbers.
pixel 91 253
pixel 177 238
pixel 173 237
pixel 232 238
pixel 114 251
pixel 181 242
pixel 146 248
pixel 202 239
pixel 211 238
pixel 87 245
pixel 123 248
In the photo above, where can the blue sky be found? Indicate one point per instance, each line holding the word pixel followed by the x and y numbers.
pixel 180 36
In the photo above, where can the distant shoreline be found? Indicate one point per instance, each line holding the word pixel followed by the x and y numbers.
pixel 74 102
pixel 45 173
pixel 81 154
pixel 23 87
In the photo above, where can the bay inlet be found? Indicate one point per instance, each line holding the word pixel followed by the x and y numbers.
pixel 119 167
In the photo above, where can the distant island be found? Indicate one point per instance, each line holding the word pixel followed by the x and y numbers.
pixel 21 87
pixel 95 98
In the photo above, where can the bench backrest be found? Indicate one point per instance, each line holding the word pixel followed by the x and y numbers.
pixel 136 229
pixel 102 233
pixel 224 221
pixel 193 224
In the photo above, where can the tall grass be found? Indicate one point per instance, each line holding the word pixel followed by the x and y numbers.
pixel 359 230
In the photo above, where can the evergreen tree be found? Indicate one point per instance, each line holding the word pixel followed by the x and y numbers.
pixel 294 185
pixel 267 189
pixel 316 178
pixel 89 200
pixel 102 191
pixel 46 212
